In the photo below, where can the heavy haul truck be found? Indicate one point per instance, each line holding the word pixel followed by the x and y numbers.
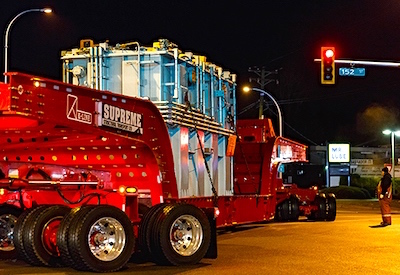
pixel 91 177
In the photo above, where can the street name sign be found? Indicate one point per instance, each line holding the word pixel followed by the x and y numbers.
pixel 352 72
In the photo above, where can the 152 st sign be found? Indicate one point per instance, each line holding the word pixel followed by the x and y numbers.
pixel 357 72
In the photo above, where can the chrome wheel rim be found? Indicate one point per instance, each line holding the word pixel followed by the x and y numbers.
pixel 186 235
pixel 7 224
pixel 106 239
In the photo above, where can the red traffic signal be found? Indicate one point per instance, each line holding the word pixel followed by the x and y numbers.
pixel 329 53
pixel 327 65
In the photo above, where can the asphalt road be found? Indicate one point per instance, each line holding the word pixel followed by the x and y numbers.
pixel 349 245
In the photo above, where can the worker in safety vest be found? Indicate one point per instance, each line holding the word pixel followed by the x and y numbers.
pixel 384 189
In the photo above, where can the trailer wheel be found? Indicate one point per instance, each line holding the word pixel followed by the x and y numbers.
pixel 282 211
pixel 62 233
pixel 8 218
pixel 288 210
pixel 102 240
pixel 181 236
pixel 330 208
pixel 146 227
pixel 143 209
pixel 19 230
pixel 40 235
pixel 320 214
pixel 294 209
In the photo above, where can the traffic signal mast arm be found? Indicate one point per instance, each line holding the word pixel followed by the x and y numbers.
pixel 365 62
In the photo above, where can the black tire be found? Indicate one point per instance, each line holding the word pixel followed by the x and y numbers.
pixel 181 235
pixel 62 233
pixel 320 214
pixel 19 230
pixel 282 211
pixel 330 208
pixel 143 209
pixel 294 209
pixel 40 228
pixel 146 227
pixel 153 233
pixel 8 218
pixel 107 249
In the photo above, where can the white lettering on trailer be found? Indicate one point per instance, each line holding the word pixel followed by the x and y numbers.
pixel 73 113
pixel 115 117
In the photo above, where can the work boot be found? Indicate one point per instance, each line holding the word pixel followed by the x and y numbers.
pixel 387 220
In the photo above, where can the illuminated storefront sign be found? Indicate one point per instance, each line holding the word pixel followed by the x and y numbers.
pixel 339 152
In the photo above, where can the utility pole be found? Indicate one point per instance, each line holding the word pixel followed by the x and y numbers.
pixel 263 78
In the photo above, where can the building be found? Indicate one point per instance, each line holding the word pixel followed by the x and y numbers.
pixel 364 161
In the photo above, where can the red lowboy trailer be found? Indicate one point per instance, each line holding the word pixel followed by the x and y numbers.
pixel 89 177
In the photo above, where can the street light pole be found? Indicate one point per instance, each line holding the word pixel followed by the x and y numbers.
pixel 274 101
pixel 46 10
pixel 392 142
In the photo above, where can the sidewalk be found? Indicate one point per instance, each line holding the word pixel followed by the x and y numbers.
pixel 366 205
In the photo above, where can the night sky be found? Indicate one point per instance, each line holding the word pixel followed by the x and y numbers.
pixel 277 35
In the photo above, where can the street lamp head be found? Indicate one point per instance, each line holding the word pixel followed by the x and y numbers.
pixel 246 89
pixel 386 132
pixel 46 10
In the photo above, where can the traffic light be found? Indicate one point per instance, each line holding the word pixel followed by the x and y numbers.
pixel 327 65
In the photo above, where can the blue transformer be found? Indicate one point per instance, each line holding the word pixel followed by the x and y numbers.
pixel 196 99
